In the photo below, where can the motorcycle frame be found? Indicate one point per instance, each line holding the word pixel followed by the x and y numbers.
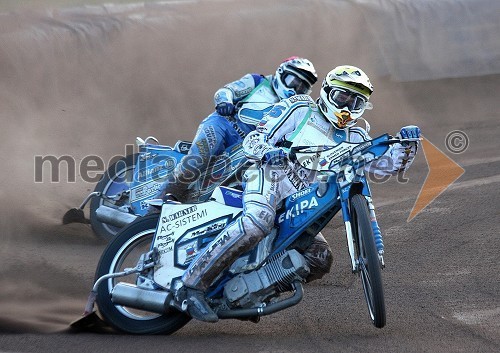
pixel 318 204
pixel 155 164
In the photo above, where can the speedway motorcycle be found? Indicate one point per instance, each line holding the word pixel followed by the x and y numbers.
pixel 122 193
pixel 141 268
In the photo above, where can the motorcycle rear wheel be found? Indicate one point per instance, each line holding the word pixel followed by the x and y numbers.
pixel 122 252
pixel 117 178
pixel 367 255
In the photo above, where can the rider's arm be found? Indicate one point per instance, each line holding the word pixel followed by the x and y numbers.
pixel 235 91
pixel 397 159
pixel 281 121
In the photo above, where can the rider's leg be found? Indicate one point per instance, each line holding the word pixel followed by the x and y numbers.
pixel 210 141
pixel 240 236
pixel 259 200
pixel 319 258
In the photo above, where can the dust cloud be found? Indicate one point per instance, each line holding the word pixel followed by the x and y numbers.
pixel 85 81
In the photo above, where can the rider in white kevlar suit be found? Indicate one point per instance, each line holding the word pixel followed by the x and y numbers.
pixel 296 121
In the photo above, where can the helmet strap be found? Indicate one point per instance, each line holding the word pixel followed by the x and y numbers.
pixel 367 125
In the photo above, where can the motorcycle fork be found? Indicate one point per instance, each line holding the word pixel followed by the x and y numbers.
pixel 349 236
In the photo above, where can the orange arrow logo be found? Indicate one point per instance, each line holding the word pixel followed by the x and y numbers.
pixel 443 171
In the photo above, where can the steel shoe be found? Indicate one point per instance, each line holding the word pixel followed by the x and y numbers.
pixel 197 306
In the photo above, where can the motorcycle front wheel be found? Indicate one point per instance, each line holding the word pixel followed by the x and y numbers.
pixel 116 179
pixel 367 256
pixel 124 252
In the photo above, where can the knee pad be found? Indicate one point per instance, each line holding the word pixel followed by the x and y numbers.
pixel 258 214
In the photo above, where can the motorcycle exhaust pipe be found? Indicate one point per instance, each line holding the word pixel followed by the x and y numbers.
pixel 127 294
pixel 114 217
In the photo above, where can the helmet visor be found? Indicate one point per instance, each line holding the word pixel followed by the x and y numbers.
pixel 344 98
pixel 292 81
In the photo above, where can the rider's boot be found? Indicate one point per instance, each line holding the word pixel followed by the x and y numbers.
pixel 197 306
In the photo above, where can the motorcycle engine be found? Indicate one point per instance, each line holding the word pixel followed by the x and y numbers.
pixel 249 289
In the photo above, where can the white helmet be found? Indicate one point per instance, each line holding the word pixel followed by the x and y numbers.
pixel 344 95
pixel 294 76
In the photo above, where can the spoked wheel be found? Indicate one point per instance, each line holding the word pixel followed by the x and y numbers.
pixel 117 179
pixel 367 256
pixel 124 252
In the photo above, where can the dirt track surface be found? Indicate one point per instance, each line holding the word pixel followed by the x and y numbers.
pixel 86 81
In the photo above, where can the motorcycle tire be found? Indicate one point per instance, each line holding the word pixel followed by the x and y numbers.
pixel 367 255
pixel 117 178
pixel 123 252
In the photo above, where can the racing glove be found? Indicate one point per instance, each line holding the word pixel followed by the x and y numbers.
pixel 410 131
pixel 225 108
pixel 276 156
pixel 223 100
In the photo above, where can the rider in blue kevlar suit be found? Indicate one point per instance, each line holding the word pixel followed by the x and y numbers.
pixel 296 121
pixel 239 107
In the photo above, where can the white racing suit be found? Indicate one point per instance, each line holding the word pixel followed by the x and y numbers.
pixel 298 122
